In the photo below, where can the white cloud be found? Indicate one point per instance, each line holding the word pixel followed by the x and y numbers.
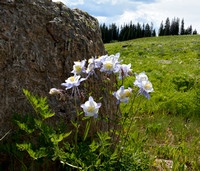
pixel 71 2
pixel 158 11
pixel 124 11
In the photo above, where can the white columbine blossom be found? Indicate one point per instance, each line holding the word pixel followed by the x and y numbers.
pixel 91 66
pixel 123 95
pixel 144 84
pixel 147 86
pixel 110 64
pixel 91 108
pixel 73 81
pixel 79 67
pixel 54 91
pixel 141 77
pixel 99 60
pixel 124 70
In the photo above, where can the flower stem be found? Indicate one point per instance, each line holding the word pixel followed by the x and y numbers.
pixel 77 126
pixel 130 110
pixel 132 118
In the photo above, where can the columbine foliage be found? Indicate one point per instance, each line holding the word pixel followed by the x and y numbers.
pixel 39 105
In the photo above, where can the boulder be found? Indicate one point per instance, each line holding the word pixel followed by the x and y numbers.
pixel 39 42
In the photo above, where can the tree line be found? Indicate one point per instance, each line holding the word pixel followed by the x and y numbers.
pixel 133 31
pixel 174 28
pixel 127 32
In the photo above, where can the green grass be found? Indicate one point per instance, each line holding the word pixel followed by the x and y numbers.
pixel 176 84
pixel 170 119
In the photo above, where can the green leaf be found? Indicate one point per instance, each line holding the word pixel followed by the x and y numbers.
pixel 41 152
pixel 38 123
pixel 87 128
pixel 74 123
pixel 39 105
pixel 93 146
pixel 55 138
pixel 114 155
pixel 85 118
pixel 24 127
pixel 98 162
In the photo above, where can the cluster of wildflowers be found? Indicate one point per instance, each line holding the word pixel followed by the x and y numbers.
pixel 144 84
pixel 108 64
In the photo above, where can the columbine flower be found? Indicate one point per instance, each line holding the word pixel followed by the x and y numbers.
pixel 144 84
pixel 141 77
pixel 123 95
pixel 79 67
pixel 73 82
pixel 54 91
pixel 91 108
pixel 99 60
pixel 91 66
pixel 115 57
pixel 124 70
pixel 110 63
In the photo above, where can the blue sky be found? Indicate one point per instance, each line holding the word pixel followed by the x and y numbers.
pixel 142 11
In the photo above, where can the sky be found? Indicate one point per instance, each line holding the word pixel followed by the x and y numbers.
pixel 121 12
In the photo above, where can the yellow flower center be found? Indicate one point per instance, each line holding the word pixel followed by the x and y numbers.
pixel 90 60
pixel 147 86
pixel 123 95
pixel 90 108
pixel 78 68
pixel 130 73
pixel 72 79
pixel 128 93
pixel 108 65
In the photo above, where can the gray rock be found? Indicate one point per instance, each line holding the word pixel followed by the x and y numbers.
pixel 39 41
pixel 165 62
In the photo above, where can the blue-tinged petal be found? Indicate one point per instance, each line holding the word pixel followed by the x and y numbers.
pixel 95 115
pixel 146 94
pixel 98 105
pixel 115 93
pixel 118 102
pixel 83 106
pixel 91 99
pixel 138 83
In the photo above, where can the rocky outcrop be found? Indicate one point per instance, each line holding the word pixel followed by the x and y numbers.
pixel 39 41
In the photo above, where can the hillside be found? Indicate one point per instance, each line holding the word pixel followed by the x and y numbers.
pixel 168 123
pixel 172 64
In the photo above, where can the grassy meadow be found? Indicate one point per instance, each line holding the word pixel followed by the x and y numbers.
pixel 169 122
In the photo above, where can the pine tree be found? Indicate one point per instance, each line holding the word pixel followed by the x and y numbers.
pixel 138 31
pixel 147 32
pixel 143 30
pixel 194 32
pixel 153 33
pixel 182 27
pixel 188 31
pixel 161 30
pixel 167 27
pixel 174 28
